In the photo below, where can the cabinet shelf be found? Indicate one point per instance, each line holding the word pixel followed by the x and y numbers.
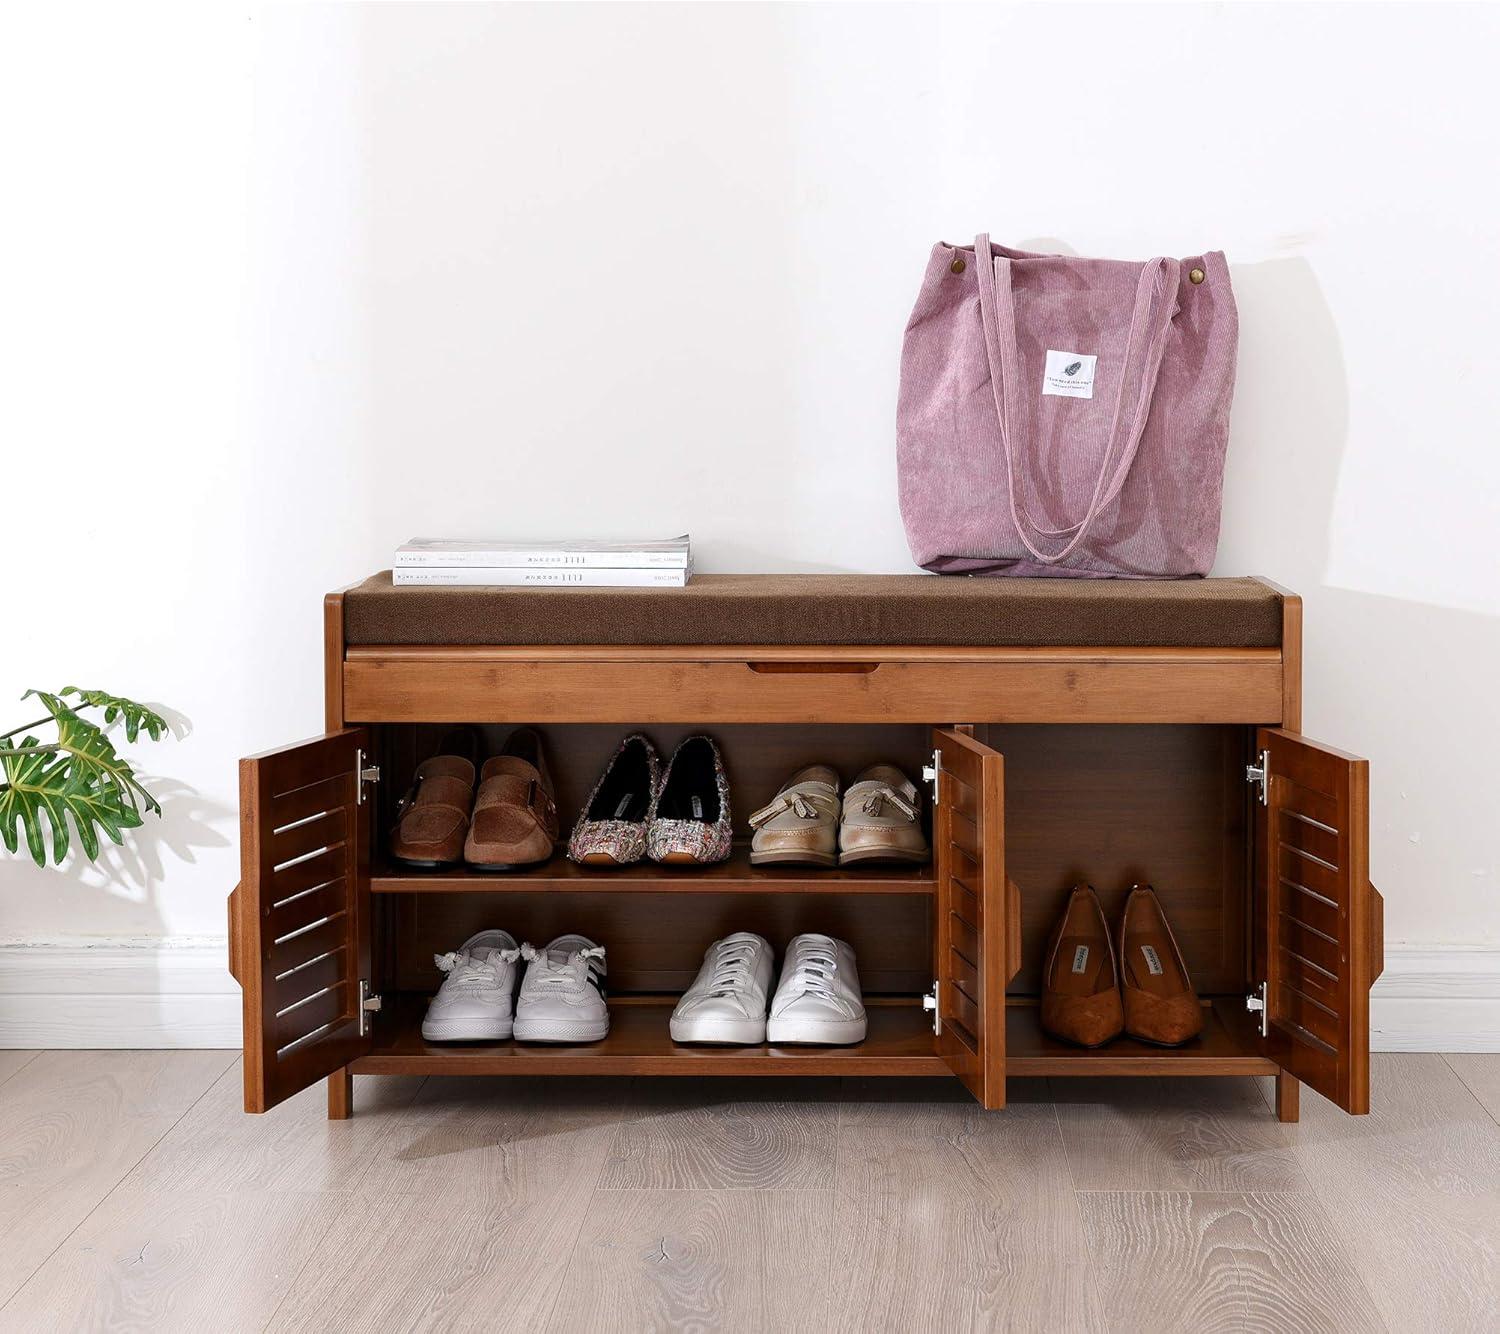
pixel 1223 1048
pixel 900 1042
pixel 734 876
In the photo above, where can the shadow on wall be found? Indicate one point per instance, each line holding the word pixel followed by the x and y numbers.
pixel 1401 682
pixel 1409 685
pixel 55 999
pixel 129 875
pixel 1290 427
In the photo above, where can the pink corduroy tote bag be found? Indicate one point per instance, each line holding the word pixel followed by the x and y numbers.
pixel 1063 416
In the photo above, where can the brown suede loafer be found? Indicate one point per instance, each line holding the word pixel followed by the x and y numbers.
pixel 433 817
pixel 515 814
pixel 1080 991
pixel 1160 1004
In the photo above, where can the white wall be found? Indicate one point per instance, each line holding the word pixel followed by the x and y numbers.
pixel 284 287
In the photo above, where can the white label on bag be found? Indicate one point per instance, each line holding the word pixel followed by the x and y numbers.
pixel 1069 374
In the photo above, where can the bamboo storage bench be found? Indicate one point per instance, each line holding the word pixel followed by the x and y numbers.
pixel 1108 732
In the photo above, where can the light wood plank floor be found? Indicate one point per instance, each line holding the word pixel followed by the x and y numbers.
pixel 134 1194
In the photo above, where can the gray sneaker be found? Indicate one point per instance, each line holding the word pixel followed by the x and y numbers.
pixel 562 993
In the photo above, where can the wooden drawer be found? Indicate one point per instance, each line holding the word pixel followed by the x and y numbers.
pixel 846 685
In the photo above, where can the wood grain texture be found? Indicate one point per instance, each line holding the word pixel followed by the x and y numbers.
pixel 1314 905
pixel 1480 1072
pixel 699 1259
pixel 732 876
pixel 1148 1134
pixel 951 1217
pixel 1414 1192
pixel 494 1143
pixel 973 941
pixel 732 1135
pixel 1288 1096
pixel 437 1262
pixel 208 1230
pixel 72 1126
pixel 1222 1261
pixel 12 1061
pixel 295 801
pixel 1116 806
pixel 1291 653
pixel 477 1202
pixel 656 940
pixel 758 759
pixel 899 1042
pixel 1018 685
pixel 1219 1050
pixel 468 1210
pixel 215 1146
pixel 159 1261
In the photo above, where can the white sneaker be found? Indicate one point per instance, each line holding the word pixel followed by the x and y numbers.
pixel 727 1001
pixel 562 993
pixel 817 999
pixel 474 1002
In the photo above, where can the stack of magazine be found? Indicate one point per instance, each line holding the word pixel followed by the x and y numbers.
pixel 582 564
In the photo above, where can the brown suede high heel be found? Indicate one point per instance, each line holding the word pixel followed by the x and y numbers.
pixel 1160 1004
pixel 1080 990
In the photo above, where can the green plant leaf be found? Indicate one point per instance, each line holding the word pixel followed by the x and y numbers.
pixel 78 775
pixel 136 716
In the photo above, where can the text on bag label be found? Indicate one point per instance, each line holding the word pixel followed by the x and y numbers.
pixel 1069 374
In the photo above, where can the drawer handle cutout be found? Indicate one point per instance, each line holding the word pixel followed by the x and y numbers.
pixel 813 668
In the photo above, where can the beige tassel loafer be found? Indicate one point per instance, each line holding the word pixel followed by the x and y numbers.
pixel 882 819
pixel 801 825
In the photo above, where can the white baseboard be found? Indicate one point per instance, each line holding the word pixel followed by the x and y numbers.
pixel 178 993
pixel 132 993
pixel 1443 998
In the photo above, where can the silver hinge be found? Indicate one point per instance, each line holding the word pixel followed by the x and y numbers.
pixel 1261 774
pixel 1256 1004
pixel 368 1005
pixel 932 772
pixel 363 773
pixel 930 1002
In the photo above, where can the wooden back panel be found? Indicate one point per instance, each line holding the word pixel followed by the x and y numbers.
pixel 301 913
pixel 1113 806
pixel 758 758
pixel 655 941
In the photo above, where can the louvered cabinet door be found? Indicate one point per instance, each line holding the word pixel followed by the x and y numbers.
pixel 300 916
pixel 974 946
pixel 1319 921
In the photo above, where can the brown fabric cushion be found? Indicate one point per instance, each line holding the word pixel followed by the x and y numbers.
pixel 812 609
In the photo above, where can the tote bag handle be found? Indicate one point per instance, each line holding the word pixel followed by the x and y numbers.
pixel 1150 320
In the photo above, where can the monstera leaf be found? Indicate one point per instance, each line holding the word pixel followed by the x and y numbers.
pixel 78 774
pixel 136 716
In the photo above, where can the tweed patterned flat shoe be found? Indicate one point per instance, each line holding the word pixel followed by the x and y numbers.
pixel 690 822
pixel 611 829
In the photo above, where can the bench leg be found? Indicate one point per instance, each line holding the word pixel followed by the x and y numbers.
pixel 1288 1092
pixel 341 1094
